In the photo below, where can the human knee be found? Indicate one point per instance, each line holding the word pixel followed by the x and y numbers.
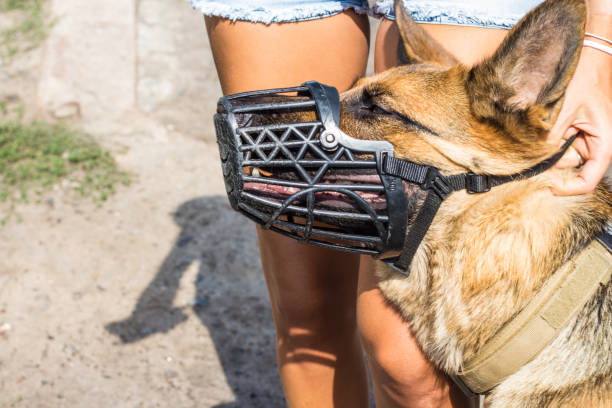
pixel 397 368
pixel 392 350
pixel 405 376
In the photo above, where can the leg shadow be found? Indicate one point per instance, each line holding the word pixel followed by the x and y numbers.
pixel 231 299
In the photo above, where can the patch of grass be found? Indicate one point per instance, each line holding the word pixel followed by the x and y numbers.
pixel 11 402
pixel 36 157
pixel 30 26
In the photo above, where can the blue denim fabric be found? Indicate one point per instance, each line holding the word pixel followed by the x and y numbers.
pixel 276 11
pixel 479 13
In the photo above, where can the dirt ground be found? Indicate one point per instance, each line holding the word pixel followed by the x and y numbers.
pixel 156 298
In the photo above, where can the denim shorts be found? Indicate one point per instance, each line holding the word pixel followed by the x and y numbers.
pixel 478 13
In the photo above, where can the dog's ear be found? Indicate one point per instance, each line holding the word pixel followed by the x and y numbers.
pixel 417 46
pixel 529 72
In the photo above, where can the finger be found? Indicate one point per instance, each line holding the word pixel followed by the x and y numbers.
pixel 562 129
pixel 570 159
pixel 580 145
pixel 585 182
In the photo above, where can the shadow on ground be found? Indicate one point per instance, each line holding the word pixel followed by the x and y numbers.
pixel 231 299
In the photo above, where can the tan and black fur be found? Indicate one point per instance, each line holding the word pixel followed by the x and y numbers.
pixel 486 255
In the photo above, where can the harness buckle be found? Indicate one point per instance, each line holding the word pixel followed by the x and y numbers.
pixel 477 183
pixel 435 182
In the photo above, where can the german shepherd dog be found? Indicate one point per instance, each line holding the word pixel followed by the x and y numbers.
pixel 486 255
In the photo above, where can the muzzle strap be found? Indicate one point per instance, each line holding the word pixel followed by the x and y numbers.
pixel 415 236
pixel 439 187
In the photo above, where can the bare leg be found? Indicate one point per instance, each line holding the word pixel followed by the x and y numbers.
pixel 401 374
pixel 333 50
pixel 312 290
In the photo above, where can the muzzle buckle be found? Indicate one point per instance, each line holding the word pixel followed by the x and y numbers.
pixel 434 181
pixel 477 183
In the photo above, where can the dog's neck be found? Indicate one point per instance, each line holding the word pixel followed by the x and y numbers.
pixel 500 247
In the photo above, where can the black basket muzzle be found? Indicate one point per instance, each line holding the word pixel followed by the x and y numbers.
pixel 289 167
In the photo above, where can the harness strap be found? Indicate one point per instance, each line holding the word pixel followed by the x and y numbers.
pixel 554 306
pixel 439 187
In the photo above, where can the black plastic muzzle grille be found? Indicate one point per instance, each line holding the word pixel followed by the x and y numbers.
pixel 289 168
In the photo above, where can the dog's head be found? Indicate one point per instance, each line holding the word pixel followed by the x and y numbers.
pixel 490 118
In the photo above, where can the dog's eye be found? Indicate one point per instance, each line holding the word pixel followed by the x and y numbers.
pixel 378 110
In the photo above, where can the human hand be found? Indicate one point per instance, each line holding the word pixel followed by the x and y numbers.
pixel 587 110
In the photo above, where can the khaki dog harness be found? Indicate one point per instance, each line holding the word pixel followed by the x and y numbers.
pixel 559 300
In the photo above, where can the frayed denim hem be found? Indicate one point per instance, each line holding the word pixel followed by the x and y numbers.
pixel 259 14
pixel 447 13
